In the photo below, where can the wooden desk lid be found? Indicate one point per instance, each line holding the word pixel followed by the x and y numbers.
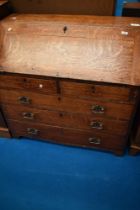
pixel 104 49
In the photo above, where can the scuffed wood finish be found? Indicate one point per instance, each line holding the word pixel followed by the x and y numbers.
pixel 67 136
pixel 92 90
pixel 69 88
pixel 104 49
pixel 63 110
pixel 20 82
pixel 51 102
pixel 66 119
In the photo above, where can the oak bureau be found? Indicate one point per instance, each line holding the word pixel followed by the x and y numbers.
pixel 70 79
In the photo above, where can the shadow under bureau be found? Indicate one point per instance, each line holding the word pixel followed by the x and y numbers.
pixel 70 79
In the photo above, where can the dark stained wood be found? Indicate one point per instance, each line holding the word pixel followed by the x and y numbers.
pixel 84 7
pixel 51 102
pixel 70 88
pixel 67 136
pixel 46 86
pixel 103 49
pixel 66 120
pixel 93 90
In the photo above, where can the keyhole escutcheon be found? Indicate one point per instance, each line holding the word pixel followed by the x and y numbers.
pixel 65 29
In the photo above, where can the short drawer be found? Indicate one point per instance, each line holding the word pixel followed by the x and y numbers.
pixel 50 102
pixel 92 90
pixel 66 136
pixel 65 119
pixel 47 86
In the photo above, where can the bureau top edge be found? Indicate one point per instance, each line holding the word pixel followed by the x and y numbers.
pixel 74 19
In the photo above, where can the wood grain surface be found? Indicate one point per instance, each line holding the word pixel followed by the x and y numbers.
pixel 67 136
pixel 88 48
pixel 65 119
pixel 69 88
pixel 61 103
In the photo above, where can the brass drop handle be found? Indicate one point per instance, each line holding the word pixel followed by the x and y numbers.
pixel 28 115
pixel 24 100
pixel 32 131
pixel 94 140
pixel 98 109
pixel 97 125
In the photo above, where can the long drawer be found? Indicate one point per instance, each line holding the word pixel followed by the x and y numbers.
pixel 94 107
pixel 66 136
pixel 69 88
pixel 65 119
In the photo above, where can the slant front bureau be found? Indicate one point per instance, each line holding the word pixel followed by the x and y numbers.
pixel 70 79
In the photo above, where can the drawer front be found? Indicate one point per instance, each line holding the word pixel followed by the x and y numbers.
pixel 95 108
pixel 66 136
pixel 69 88
pixel 47 86
pixel 91 90
pixel 65 119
